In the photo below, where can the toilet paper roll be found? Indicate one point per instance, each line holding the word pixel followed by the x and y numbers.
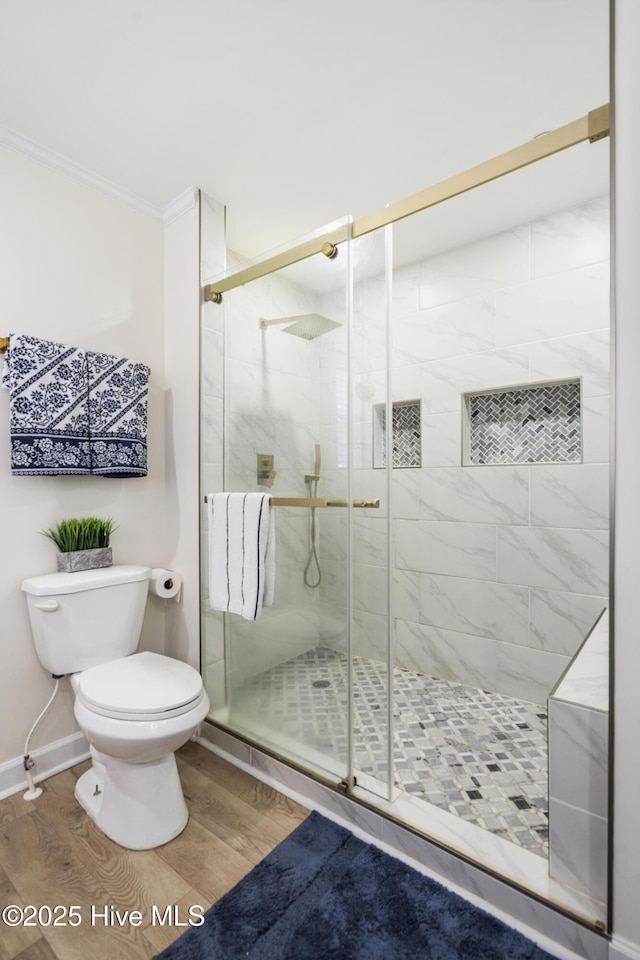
pixel 165 583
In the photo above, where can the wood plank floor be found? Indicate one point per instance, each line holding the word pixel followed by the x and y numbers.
pixel 51 854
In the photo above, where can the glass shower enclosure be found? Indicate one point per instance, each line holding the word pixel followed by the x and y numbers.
pixel 431 426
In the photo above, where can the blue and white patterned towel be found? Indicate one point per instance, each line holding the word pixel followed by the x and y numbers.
pixel 74 411
pixel 118 393
pixel 48 386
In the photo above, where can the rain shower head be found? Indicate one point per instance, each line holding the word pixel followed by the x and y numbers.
pixel 308 325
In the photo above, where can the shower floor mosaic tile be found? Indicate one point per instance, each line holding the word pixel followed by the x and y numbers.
pixel 479 755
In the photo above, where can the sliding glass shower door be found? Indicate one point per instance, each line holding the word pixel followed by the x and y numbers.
pixel 302 353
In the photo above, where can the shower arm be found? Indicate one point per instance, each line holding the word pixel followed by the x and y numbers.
pixel 269 323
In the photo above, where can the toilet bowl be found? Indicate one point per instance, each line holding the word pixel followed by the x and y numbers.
pixel 135 712
pixel 135 709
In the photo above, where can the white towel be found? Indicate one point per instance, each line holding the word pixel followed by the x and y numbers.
pixel 241 553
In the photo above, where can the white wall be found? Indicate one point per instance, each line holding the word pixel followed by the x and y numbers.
pixel 181 409
pixel 626 837
pixel 86 270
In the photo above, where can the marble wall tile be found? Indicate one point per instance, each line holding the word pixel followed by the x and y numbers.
pixel 576 301
pixel 370 540
pixel 451 549
pixel 585 355
pixel 570 495
pixel 476 269
pixel 261 391
pixel 561 621
pixel 371 483
pixel 368 389
pixel 370 589
pixel 370 637
pixel 332 438
pixel 406 493
pixel 476 494
pixel 528 674
pixel 212 317
pixel 446 654
pixel 292 537
pixel 578 757
pixel 212 363
pixel 292 444
pixel 596 431
pixel 405 595
pixel 211 416
pixel 405 289
pixel 586 682
pixel 464 326
pixel 477 607
pixel 369 349
pixel 362 445
pixel 443 381
pixel 442 440
pixel 575 561
pixel 332 536
pixel 335 584
pixel 248 432
pixel 571 238
pixel 289 297
pixel 243 307
pixel 282 352
pixel 211 480
pixel 333 630
pixel 578 849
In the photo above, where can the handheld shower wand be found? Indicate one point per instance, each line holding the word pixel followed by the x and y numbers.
pixel 312 480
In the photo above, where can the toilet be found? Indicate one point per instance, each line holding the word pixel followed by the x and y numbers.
pixel 135 709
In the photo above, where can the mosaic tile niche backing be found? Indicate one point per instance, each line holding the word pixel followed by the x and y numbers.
pixel 538 424
pixel 406 450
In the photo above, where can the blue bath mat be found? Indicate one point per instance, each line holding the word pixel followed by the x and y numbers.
pixel 323 893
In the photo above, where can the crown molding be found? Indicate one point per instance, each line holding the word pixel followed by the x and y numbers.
pixel 75 171
pixel 184 202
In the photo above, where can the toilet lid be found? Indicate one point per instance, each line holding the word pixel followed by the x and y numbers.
pixel 142 684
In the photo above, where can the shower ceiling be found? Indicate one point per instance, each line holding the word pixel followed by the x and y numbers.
pixel 293 114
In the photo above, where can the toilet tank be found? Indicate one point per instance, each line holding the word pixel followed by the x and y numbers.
pixel 80 620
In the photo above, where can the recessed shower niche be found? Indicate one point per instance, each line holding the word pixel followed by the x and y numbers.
pixel 539 423
pixel 407 434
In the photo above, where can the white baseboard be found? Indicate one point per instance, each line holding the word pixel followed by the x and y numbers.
pixel 621 949
pixel 55 757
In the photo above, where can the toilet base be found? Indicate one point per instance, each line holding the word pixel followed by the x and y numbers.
pixel 137 805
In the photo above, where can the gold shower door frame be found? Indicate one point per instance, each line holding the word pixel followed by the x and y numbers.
pixel 593 126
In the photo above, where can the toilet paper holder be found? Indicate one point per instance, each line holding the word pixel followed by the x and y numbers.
pixel 166 584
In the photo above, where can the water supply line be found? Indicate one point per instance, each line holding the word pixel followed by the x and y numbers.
pixel 34 792
pixel 312 480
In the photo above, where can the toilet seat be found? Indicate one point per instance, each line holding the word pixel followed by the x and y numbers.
pixel 143 686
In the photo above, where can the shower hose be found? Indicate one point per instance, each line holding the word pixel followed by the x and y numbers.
pixel 310 579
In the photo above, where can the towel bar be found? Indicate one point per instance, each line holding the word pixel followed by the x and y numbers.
pixel 4 345
pixel 319 502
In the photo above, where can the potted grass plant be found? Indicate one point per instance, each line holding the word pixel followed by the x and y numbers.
pixel 83 544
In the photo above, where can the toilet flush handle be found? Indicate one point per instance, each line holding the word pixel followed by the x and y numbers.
pixel 49 606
